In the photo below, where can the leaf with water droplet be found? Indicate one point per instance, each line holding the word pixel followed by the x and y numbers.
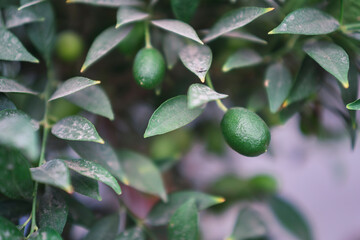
pixel 242 58
pixel 126 15
pixel 200 94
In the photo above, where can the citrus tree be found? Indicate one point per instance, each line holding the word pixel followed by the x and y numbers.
pixel 156 60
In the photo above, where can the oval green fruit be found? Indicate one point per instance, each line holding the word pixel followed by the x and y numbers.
pixel 245 132
pixel 149 68
pixel 69 46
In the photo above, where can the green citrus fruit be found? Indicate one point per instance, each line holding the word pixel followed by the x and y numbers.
pixel 69 46
pixel 245 132
pixel 149 68
pixel 264 184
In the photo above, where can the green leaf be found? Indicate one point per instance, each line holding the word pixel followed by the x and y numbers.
pixel 307 21
pixel 197 58
pixel 14 17
pixel 71 86
pixel 242 58
pixel 15 175
pixel 8 231
pixel 85 186
pixel 104 43
pixel 127 15
pixel 93 99
pixel 332 58
pixel 109 3
pixel 17 131
pixel 290 218
pixel 53 210
pixel 46 234
pixel 55 173
pixel 200 94
pixel 278 84
pixel 184 10
pixel 237 34
pixel 11 48
pixel 184 222
pixel 171 115
pixel 134 233
pixel 13 113
pixel 11 86
pixel 102 154
pixel 161 212
pixel 29 3
pixel 95 171
pixel 76 128
pixel 5 103
pixel 105 229
pixel 80 214
pixel 249 225
pixel 235 19
pixel 178 27
pixel 142 173
pixel 354 105
pixel 172 44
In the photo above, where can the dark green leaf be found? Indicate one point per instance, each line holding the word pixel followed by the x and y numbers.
pixel 5 103
pixel 184 10
pixel 242 58
pixel 85 186
pixel 55 173
pixel 126 15
pixel 197 58
pixel 46 234
pixel 200 94
pixel 184 222
pixel 235 19
pixel 161 212
pixel 53 210
pixel 307 21
pixel 178 27
pixel 11 86
pixel 332 58
pixel 80 214
pixel 29 3
pixel 11 48
pixel 104 229
pixel 142 173
pixel 109 3
pixel 278 83
pixel 354 105
pixel 134 233
pixel 15 175
pixel 71 86
pixel 172 44
pixel 93 99
pixel 14 17
pixel 104 43
pixel 171 115
pixel 290 218
pixel 8 230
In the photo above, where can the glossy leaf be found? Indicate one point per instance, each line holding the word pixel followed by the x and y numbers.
pixel 53 210
pixel 11 86
pixel 134 233
pixel 249 225
pixel 104 43
pixel 71 86
pixel 102 154
pixel 5 103
pixel 354 105
pixel 197 58
pixel 108 3
pixel 15 175
pixel 242 58
pixel 14 17
pixel 95 171
pixel 11 49
pixel 307 21
pixel 17 131
pixel 184 10
pixel 171 115
pixel 54 173
pixel 332 58
pixel 161 212
pixel 85 186
pixel 184 222
pixel 105 229
pixel 290 218
pixel 178 27
pixel 200 94
pixel 278 84
pixel 126 15
pixel 93 99
pixel 46 234
pixel 233 20
pixel 172 44
pixel 76 128
pixel 29 3
pixel 8 231
pixel 142 173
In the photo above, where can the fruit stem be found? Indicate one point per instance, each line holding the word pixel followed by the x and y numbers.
pixel 147 35
pixel 219 103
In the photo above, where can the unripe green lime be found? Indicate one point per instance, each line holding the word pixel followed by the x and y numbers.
pixel 69 46
pixel 149 68
pixel 245 132
pixel 263 184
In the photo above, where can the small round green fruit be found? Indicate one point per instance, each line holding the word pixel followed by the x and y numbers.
pixel 69 46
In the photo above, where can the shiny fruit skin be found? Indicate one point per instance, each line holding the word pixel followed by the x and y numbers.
pixel 245 132
pixel 69 46
pixel 149 68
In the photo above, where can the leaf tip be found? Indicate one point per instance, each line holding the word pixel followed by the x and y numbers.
pixel 285 104
pixel 69 1
pixel 202 79
pixel 83 68
pixel 346 84
pixel 220 199
pixel 97 82
pixel 271 32
pixel 269 9
pixel 69 189
pixel 35 61
pixel 126 181
pixel 101 141
pixel 225 69
pixel 117 25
